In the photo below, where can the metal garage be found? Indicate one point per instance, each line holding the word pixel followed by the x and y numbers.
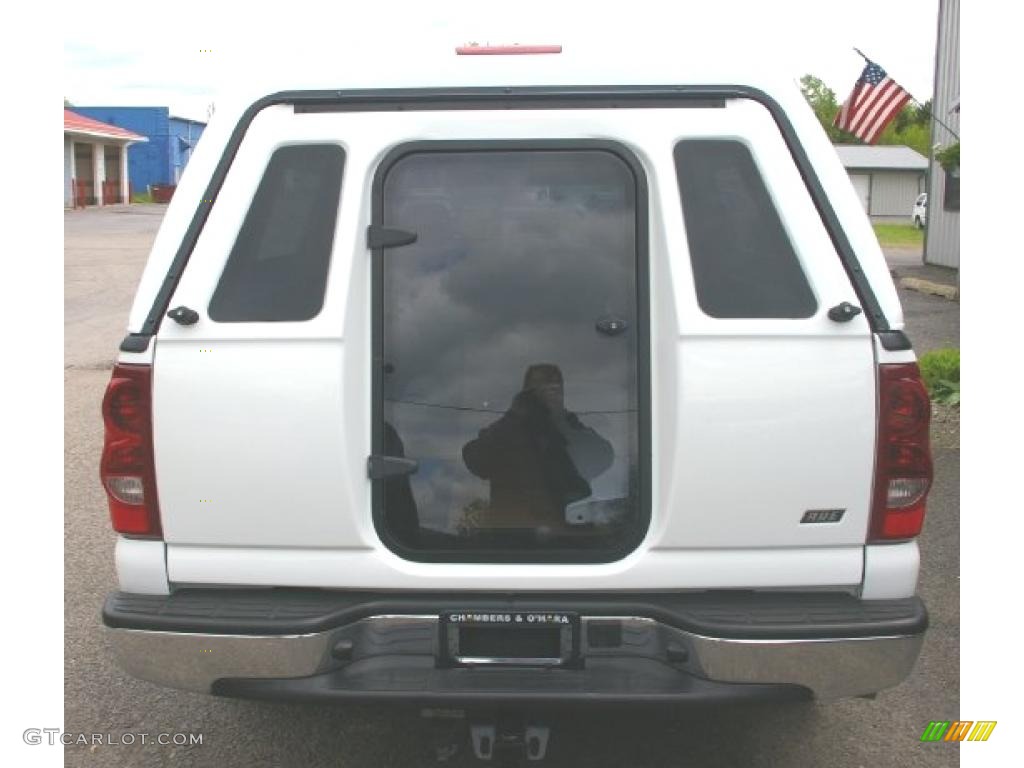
pixel 887 178
pixel 942 238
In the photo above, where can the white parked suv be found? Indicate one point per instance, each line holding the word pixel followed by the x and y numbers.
pixel 920 213
pixel 514 381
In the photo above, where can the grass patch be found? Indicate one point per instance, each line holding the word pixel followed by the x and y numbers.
pixel 941 373
pixel 145 197
pixel 899 235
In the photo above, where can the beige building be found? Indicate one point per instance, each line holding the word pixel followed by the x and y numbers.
pixel 95 161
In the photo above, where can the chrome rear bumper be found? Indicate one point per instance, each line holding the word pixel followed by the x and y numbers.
pixel 384 656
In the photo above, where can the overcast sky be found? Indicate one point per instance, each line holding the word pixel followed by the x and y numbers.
pixel 159 55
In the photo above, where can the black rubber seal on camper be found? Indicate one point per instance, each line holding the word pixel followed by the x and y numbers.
pixel 135 342
pixel 894 341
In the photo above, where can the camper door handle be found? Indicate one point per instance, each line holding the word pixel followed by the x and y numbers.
pixel 844 312
pixel 183 315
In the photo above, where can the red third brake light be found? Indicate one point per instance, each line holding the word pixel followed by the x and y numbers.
pixel 903 460
pixel 505 50
pixel 127 468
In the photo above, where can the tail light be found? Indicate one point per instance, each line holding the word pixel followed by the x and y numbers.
pixel 473 49
pixel 127 467
pixel 903 459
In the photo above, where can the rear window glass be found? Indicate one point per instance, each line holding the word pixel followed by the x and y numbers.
pixel 743 262
pixel 277 269
pixel 510 355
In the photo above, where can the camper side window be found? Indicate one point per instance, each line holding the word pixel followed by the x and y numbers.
pixel 277 269
pixel 744 265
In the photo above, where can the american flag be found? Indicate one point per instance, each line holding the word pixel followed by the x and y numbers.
pixel 875 101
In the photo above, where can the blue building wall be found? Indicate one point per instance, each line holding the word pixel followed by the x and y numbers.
pixel 184 135
pixel 171 139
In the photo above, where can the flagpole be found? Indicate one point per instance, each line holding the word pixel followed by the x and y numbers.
pixel 912 98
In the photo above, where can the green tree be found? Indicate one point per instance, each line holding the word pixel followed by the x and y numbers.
pixel 924 114
pixel 912 127
pixel 823 101
pixel 915 136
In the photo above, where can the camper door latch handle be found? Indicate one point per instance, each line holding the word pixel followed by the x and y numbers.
pixel 378 236
pixel 382 467
pixel 183 315
pixel 843 313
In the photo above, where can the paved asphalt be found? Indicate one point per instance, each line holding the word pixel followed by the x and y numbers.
pixel 104 254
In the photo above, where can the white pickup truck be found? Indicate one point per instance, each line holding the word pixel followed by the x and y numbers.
pixel 517 381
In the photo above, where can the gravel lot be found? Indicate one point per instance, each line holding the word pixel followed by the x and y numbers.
pixel 104 254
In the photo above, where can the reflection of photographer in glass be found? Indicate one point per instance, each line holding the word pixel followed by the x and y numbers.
pixel 538 456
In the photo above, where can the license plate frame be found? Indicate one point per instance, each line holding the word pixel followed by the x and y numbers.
pixel 501 638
